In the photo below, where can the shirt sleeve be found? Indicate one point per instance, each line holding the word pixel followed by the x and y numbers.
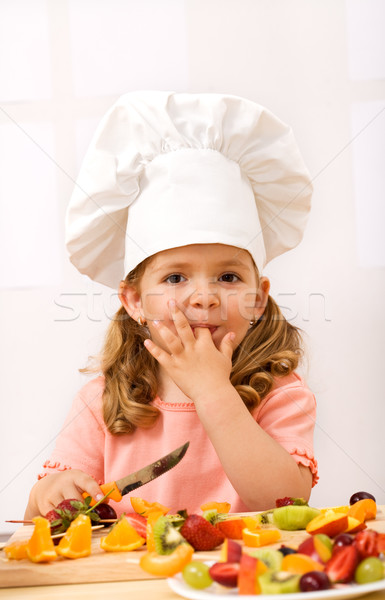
pixel 80 443
pixel 288 415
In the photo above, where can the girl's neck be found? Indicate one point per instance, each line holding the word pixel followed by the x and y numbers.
pixel 168 391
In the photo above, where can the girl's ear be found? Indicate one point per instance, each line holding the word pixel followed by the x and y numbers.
pixel 130 299
pixel 262 297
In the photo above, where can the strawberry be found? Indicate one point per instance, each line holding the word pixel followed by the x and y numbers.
pixel 52 516
pixel 366 543
pixel 200 533
pixel 71 504
pixel 342 564
pixel 138 522
pixel 64 513
pixel 67 510
pixel 286 501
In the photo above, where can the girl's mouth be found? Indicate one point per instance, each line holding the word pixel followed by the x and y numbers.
pixel 212 328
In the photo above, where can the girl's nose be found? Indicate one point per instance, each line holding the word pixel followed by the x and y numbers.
pixel 204 296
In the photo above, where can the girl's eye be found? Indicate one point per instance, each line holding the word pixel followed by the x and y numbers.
pixel 175 278
pixel 229 278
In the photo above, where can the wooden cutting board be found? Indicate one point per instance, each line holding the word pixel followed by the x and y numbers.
pixel 103 566
pixel 100 566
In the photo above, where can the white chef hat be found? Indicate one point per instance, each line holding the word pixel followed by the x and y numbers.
pixel 170 169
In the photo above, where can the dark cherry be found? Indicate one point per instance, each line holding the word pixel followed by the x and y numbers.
pixel 314 581
pixel 361 496
pixel 105 511
pixel 286 550
pixel 343 539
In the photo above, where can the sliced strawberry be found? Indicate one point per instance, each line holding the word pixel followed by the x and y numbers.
pixel 201 534
pixel 225 573
pixel 138 522
pixel 366 543
pixel 341 566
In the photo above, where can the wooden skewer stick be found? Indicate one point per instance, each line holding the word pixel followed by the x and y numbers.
pixel 31 522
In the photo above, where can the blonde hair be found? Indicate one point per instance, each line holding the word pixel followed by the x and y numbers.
pixel 271 348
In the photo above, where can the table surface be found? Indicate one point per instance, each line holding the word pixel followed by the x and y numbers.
pixel 148 589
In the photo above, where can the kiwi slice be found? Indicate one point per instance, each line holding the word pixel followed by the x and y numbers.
pixel 265 518
pixel 294 517
pixel 271 558
pixel 279 582
pixel 176 520
pixel 166 536
pixel 211 515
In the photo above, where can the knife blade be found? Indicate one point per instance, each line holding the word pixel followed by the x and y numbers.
pixel 119 488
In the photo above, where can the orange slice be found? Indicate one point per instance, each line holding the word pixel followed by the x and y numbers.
pixel 167 565
pixel 252 522
pixel 221 507
pixel 16 550
pixel 40 547
pixel 122 538
pixel 144 508
pixel 363 510
pixel 300 564
pixel 76 543
pixel 260 537
pixel 151 520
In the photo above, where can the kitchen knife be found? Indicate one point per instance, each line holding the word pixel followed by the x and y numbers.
pixel 127 484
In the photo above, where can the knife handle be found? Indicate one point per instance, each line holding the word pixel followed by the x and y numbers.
pixel 106 487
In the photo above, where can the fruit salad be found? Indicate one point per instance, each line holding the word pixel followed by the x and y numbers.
pixel 339 549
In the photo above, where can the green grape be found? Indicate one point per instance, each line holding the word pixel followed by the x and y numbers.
pixel 370 569
pixel 196 574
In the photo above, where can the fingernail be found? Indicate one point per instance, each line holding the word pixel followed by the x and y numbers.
pixel 99 497
pixel 172 303
pixel 155 322
pixel 232 336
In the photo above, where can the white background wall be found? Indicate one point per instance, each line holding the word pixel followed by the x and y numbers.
pixel 320 66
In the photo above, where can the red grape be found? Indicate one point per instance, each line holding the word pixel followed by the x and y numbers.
pixel 343 539
pixel 360 496
pixel 314 581
pixel 105 511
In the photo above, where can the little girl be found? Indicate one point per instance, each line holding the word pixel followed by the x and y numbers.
pixel 183 199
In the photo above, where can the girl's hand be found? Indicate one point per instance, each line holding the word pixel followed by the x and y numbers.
pixel 48 492
pixel 191 358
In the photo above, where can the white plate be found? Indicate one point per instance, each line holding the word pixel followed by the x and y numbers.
pixel 217 592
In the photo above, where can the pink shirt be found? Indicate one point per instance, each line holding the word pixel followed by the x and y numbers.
pixel 287 414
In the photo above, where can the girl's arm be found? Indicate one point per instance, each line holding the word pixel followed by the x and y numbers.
pixel 258 467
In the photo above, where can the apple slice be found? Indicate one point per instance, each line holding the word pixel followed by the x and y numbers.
pixel 354 525
pixel 318 546
pixel 331 523
pixel 231 551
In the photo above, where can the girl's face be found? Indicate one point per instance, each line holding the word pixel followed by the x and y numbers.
pixel 216 286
